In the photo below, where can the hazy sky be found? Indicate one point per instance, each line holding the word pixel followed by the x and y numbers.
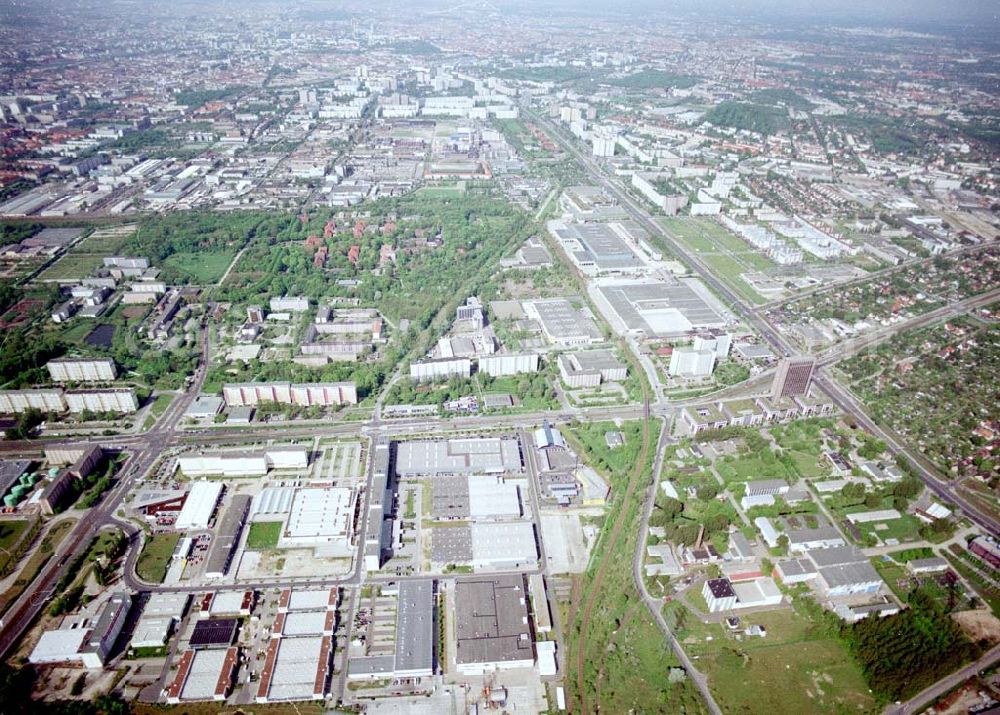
pixel 874 10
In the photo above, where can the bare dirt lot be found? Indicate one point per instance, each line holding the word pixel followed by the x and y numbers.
pixel 979 625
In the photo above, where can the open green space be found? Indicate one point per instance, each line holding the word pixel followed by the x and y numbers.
pixel 203 267
pixel 905 528
pixel 155 557
pixel 10 532
pixel 72 266
pixel 441 192
pixel 751 117
pixel 626 662
pixel 39 557
pixel 102 242
pixel 710 242
pixel 160 404
pixel 264 535
pixel 800 666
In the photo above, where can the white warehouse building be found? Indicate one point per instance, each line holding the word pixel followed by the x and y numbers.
pixel 243 464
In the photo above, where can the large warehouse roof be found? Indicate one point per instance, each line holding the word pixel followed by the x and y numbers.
pixel 319 515
pixel 659 309
pixel 458 456
pixel 295 668
pixel 492 621
pixel 199 506
pixel 493 497
pixel 415 629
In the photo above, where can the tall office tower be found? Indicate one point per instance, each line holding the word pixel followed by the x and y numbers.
pixel 793 377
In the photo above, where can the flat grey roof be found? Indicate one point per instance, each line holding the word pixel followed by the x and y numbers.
pixel 450 498
pixel 415 626
pixel 849 574
pixel 451 544
pixel 837 555
pixel 602 246
pixel 644 306
pixel 492 620
pixel 227 533
pixel 562 321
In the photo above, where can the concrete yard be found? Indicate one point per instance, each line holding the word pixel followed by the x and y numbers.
pixel 567 548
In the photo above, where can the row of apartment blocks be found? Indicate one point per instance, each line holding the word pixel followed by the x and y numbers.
pixel 58 400
pixel 751 412
pixel 493 365
pixel 82 369
pixel 320 394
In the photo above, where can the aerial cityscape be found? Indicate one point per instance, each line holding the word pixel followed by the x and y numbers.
pixel 516 357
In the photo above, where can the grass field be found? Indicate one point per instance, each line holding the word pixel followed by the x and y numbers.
pixel 906 528
pixel 105 241
pixel 263 535
pixel 155 557
pixel 35 563
pixel 72 266
pixel 203 267
pixel 442 192
pixel 10 532
pixel 713 244
pixel 160 404
pixel 796 668
pixel 626 665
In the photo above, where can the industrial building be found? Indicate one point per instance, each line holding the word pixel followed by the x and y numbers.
pixel 82 369
pixel 589 368
pixel 204 675
pixel 562 324
pixel 508 364
pixel 314 394
pixel 486 546
pixel 380 505
pixel 719 595
pixel 159 617
pixel 413 637
pixel 469 455
pixel 492 628
pixel 199 506
pixel 296 669
pixel 590 203
pixel 308 599
pixel 319 516
pixel 652 308
pixel 474 497
pixel 227 535
pixel 844 571
pixel 597 248
pixel 87 644
pixel 215 604
pixel 304 623
pixel 243 464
